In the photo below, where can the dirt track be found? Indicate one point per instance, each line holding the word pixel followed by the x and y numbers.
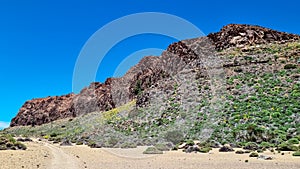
pixel 60 159
pixel 48 156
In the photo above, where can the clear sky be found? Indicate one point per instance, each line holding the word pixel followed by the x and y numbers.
pixel 41 40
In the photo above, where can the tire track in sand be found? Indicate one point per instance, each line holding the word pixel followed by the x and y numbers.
pixel 61 160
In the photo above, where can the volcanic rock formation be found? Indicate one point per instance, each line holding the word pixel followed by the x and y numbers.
pixel 238 35
pixel 184 55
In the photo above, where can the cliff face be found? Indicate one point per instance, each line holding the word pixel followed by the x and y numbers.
pixel 45 110
pixel 151 73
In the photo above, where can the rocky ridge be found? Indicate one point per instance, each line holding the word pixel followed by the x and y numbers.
pixel 239 35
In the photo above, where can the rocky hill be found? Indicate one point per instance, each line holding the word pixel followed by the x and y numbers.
pixel 239 85
pixel 188 83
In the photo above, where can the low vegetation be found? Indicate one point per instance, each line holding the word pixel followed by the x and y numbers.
pixel 152 150
pixel 297 153
pixel 7 142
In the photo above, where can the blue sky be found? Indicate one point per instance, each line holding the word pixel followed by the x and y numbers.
pixel 41 40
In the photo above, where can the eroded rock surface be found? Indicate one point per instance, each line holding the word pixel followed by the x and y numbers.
pixel 239 35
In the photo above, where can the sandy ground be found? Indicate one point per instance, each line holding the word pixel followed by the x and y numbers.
pixel 49 156
pixel 36 156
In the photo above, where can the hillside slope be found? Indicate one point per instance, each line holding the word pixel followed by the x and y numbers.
pixel 239 85
pixel 117 91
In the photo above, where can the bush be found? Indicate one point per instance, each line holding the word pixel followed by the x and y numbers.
pixel 66 142
pixel 46 137
pixel 205 149
pixel 239 152
pixel 293 141
pixel 11 139
pixel 53 135
pixel 20 146
pixel 247 151
pixel 3 147
pixel 266 145
pixel 175 136
pixel 287 147
pixel 226 149
pixel 290 66
pixel 9 144
pixel 253 154
pixel 79 143
pixel 190 143
pixel 152 150
pixel 128 145
pixel 162 147
pixel 297 153
pixel 251 146
pixel 93 144
pixel 260 151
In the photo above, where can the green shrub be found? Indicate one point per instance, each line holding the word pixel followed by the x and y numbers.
pixel 251 146
pixel 287 147
pixel 260 151
pixel 113 141
pixel 11 139
pixel 205 149
pixel 162 147
pixel 3 147
pixel 20 146
pixel 297 153
pixel 46 137
pixel 253 154
pixel 175 136
pixel 79 143
pixel 239 152
pixel 290 66
pixel 266 145
pixel 91 143
pixel 53 135
pixel 293 141
pixel 152 150
pixel 190 143
pixel 128 145
pixel 9 144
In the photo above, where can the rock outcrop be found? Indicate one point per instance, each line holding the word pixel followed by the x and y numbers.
pixel 44 110
pixel 136 83
pixel 239 35
pixel 96 97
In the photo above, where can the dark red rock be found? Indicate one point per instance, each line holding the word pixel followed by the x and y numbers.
pixel 45 110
